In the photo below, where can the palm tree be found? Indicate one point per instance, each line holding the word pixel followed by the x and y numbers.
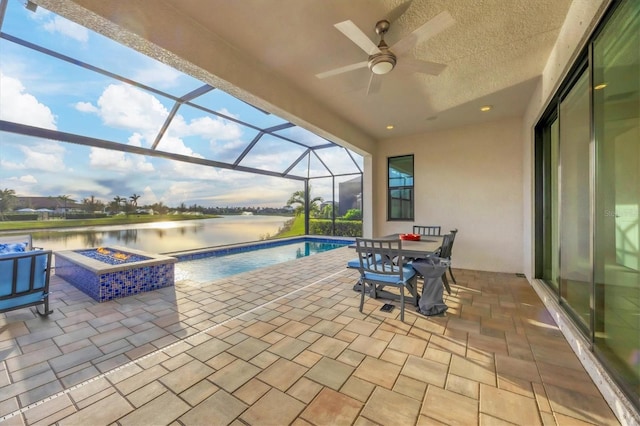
pixel 159 208
pixel 7 200
pixel 327 211
pixel 134 199
pixel 64 199
pixel 298 198
pixel 90 204
pixel 116 203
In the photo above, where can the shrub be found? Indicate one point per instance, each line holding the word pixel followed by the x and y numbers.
pixel 353 214
pixel 20 216
pixel 85 215
pixel 344 228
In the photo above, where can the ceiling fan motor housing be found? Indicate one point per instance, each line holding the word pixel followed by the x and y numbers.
pixel 385 60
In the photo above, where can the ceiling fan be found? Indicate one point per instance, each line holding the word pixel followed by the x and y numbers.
pixel 382 58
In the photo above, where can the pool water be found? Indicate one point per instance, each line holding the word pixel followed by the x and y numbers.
pixel 223 264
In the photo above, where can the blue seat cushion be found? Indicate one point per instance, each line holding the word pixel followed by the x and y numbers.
pixel 13 247
pixel 407 271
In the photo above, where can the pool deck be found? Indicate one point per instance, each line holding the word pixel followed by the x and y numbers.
pixel 287 345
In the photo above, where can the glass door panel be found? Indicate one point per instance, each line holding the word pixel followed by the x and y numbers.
pixel 616 58
pixel 550 271
pixel 575 236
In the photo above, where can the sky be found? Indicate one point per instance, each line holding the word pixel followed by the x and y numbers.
pixel 41 91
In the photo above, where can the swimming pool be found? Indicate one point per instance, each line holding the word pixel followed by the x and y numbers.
pixel 220 263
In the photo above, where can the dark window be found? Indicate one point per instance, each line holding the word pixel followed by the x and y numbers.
pixel 400 188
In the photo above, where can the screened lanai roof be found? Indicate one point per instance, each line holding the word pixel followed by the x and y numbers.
pixel 94 92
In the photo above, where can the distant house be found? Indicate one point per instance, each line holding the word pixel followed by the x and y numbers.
pixel 54 204
pixel 349 195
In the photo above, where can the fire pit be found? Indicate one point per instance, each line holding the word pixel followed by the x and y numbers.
pixel 107 273
pixel 111 256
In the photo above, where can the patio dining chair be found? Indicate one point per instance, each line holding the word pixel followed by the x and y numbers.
pixel 426 230
pixel 445 253
pixel 453 232
pixel 442 254
pixel 378 270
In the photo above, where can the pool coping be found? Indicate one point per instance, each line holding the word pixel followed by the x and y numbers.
pixel 253 245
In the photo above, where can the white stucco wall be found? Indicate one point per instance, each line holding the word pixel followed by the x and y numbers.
pixel 468 178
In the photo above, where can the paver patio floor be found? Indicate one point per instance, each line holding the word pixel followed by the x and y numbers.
pixel 287 345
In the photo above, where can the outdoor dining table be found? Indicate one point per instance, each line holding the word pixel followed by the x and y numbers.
pixel 426 246
pixel 421 249
pixel 411 249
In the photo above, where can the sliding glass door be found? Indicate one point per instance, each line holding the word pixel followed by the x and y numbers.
pixel 575 224
pixel 616 100
pixel 588 195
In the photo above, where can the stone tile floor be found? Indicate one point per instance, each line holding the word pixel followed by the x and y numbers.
pixel 287 345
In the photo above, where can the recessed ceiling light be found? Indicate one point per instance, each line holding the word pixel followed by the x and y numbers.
pixel 485 108
pixel 600 86
pixel 389 126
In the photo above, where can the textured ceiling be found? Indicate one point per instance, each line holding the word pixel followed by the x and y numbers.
pixel 495 53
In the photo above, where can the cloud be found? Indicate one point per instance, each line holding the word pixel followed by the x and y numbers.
pixel 21 187
pixel 215 129
pixel 197 172
pixel 180 192
pixel 10 165
pixel 171 143
pixel 129 108
pixel 148 197
pixel 20 107
pixel 272 192
pixel 132 109
pixel 142 166
pixel 28 179
pixel 157 74
pixel 86 107
pixel 118 161
pixel 45 156
pixel 60 25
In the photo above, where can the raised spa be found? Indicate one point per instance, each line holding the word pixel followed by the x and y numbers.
pixel 107 273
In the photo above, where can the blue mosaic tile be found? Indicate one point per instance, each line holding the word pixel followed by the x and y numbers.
pixel 114 285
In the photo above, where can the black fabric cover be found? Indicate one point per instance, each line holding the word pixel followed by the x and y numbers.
pixel 432 269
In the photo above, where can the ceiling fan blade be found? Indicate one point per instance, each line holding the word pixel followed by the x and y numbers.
pixel 356 35
pixel 424 67
pixel 341 70
pixel 397 12
pixel 374 84
pixel 427 30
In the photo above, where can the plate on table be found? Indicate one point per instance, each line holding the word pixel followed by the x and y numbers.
pixel 410 237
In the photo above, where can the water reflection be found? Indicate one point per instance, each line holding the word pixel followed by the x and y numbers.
pixel 313 248
pixel 164 237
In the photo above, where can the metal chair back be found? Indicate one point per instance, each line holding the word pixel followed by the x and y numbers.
pixel 426 230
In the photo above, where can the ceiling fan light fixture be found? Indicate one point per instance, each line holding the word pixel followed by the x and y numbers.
pixel 382 63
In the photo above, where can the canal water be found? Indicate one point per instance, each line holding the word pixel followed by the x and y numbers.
pixel 164 237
